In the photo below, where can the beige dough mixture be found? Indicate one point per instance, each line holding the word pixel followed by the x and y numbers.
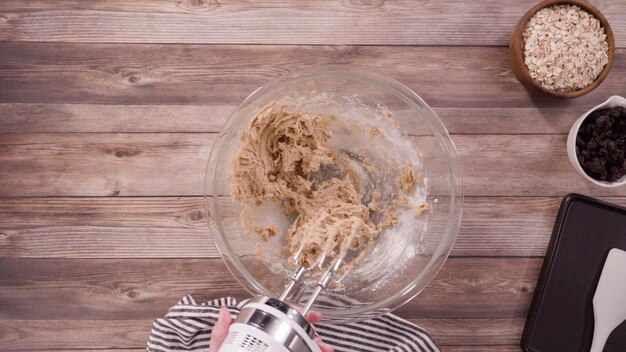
pixel 285 157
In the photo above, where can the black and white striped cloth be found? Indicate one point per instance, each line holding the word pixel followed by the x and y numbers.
pixel 187 327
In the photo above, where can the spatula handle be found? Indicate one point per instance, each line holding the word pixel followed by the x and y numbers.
pixel 600 335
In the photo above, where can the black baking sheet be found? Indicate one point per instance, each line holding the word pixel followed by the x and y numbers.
pixel 560 318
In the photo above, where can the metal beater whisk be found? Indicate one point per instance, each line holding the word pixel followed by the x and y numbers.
pixel 269 324
pixel 329 270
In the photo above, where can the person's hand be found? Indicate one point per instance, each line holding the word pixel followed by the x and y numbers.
pixel 220 330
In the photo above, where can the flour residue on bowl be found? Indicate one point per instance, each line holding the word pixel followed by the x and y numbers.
pixel 324 177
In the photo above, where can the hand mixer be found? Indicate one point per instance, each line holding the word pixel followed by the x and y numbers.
pixel 267 324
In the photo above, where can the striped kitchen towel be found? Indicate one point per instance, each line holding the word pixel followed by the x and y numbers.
pixel 187 327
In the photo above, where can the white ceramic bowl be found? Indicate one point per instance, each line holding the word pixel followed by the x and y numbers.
pixel 571 142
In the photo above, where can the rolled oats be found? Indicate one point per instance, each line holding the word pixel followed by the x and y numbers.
pixel 565 48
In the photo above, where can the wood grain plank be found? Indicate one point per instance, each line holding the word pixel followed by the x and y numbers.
pixel 528 165
pixel 145 288
pixel 423 22
pixel 25 118
pixel 524 120
pixel 473 332
pixel 73 334
pixel 508 226
pixel 165 164
pixel 226 74
pixel 99 164
pixel 85 348
pixel 137 349
pixel 108 289
pixel 176 228
pixel 129 334
pixel 477 288
pixel 59 118
pixel 104 228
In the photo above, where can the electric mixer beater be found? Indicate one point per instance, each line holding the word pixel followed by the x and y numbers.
pixel 267 324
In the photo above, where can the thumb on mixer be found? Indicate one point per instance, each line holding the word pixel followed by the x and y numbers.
pixel 323 346
pixel 313 317
pixel 220 330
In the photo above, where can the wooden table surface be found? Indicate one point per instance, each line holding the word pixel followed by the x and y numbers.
pixel 109 109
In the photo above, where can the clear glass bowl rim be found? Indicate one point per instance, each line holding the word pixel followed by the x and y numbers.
pixel 439 131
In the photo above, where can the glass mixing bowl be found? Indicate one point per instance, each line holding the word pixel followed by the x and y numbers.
pixel 400 266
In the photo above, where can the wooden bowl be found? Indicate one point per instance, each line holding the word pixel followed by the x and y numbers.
pixel 517 57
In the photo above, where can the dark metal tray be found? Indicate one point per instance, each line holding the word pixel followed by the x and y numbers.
pixel 560 318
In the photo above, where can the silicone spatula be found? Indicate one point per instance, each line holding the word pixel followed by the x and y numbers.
pixel 609 301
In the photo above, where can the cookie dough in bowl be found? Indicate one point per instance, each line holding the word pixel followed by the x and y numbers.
pixel 335 162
